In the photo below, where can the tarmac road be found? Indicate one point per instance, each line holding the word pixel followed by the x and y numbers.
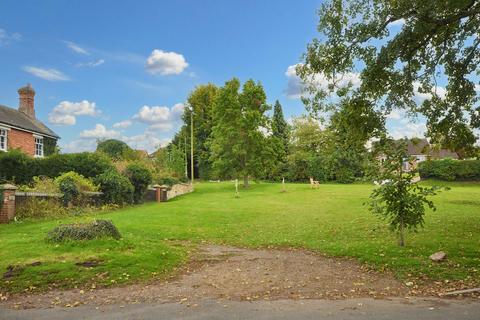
pixel 359 309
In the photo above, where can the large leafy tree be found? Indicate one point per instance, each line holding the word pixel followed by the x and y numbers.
pixel 280 140
pixel 201 101
pixel 238 146
pixel 401 49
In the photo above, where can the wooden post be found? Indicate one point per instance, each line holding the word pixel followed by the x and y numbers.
pixel 191 145
pixel 283 185
pixel 237 195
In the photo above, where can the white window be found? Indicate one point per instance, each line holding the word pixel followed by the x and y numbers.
pixel 38 147
pixel 3 139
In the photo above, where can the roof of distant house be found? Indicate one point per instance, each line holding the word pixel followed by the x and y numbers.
pixel 19 120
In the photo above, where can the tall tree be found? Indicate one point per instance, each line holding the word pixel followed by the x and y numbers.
pixel 201 100
pixel 401 49
pixel 238 147
pixel 280 140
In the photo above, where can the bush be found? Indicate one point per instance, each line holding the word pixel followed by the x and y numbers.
pixel 40 207
pixel 450 170
pixel 86 164
pixel 17 167
pixel 116 150
pixel 73 186
pixel 140 177
pixel 116 188
pixel 40 184
pixel 86 231
pixel 168 181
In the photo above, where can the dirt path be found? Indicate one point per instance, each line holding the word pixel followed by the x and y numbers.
pixel 221 272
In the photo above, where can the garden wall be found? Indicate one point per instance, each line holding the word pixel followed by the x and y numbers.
pixel 179 189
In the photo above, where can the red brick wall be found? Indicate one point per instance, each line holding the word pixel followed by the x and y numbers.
pixel 21 140
pixel 7 212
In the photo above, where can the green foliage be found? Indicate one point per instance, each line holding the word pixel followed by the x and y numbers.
pixel 400 201
pixel 40 184
pixel 88 231
pixel 49 146
pixel 87 164
pixel 280 140
pixel 238 147
pixel 40 207
pixel 201 100
pixel 116 150
pixel 168 181
pixel 73 186
pixel 400 49
pixel 17 167
pixel 140 177
pixel 169 162
pixel 450 170
pixel 116 188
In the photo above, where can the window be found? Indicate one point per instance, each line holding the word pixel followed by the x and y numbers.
pixel 38 147
pixel 3 140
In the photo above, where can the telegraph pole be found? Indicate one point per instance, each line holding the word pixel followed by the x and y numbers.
pixel 191 145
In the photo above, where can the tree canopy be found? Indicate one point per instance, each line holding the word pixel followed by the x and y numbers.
pixel 238 146
pixel 391 52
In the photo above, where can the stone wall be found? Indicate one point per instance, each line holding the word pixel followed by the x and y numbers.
pixel 179 189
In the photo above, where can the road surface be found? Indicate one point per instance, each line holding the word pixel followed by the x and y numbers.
pixel 359 309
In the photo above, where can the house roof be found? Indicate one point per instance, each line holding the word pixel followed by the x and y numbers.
pixel 19 120
pixel 416 146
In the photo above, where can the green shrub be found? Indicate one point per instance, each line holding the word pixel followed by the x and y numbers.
pixel 140 177
pixel 86 164
pixel 86 231
pixel 39 207
pixel 17 167
pixel 116 188
pixel 168 181
pixel 40 184
pixel 450 170
pixel 73 186
pixel 116 149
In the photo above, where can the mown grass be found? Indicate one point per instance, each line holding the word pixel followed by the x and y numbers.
pixel 331 219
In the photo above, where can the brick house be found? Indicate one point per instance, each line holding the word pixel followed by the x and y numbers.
pixel 20 129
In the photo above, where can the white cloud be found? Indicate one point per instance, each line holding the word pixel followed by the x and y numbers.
pixel 146 141
pixel 65 112
pixel 395 115
pixel 99 132
pixel 419 97
pixel 122 124
pixel 91 64
pixel 76 48
pixel 6 38
pixel 165 63
pixel 409 130
pixel 79 145
pixel 295 85
pixel 46 74
pixel 160 118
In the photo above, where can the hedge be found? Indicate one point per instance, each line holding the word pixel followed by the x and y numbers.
pixel 19 168
pixel 450 170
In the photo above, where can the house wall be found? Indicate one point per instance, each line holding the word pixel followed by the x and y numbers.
pixel 21 140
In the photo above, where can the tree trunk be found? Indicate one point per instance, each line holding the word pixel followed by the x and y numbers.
pixel 401 241
pixel 245 181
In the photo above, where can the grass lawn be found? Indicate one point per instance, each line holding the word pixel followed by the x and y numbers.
pixel 330 219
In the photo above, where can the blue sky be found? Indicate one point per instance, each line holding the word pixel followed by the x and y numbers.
pixel 122 69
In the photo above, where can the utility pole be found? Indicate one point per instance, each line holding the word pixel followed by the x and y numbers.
pixel 191 145
pixel 185 153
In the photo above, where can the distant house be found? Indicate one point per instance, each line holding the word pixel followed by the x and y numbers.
pixel 20 129
pixel 421 150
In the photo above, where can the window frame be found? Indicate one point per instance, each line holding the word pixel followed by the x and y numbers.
pixel 38 141
pixel 5 136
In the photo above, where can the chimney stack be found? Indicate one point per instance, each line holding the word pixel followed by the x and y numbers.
pixel 27 101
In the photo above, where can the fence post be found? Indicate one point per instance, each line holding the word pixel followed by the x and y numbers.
pixel 7 209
